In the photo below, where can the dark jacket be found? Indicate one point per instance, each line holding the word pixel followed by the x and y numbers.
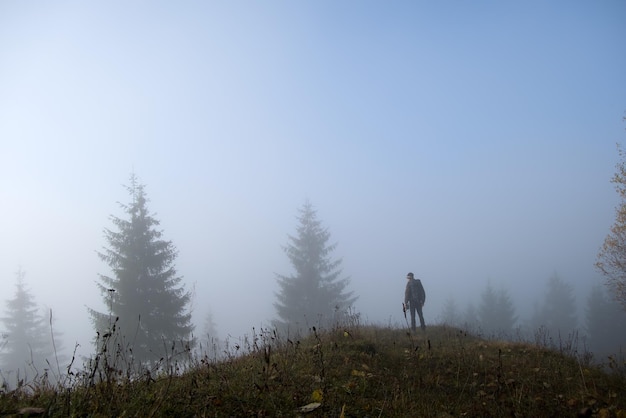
pixel 414 293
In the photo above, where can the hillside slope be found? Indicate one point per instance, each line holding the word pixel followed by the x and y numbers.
pixel 355 372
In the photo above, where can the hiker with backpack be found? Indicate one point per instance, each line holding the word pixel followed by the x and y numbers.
pixel 414 298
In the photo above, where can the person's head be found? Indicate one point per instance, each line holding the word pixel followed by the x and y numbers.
pixel 409 276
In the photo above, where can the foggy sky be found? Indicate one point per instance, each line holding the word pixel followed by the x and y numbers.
pixel 463 142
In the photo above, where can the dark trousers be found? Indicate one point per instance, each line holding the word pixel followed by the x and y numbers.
pixel 416 307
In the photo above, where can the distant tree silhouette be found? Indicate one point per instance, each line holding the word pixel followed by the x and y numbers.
pixel 28 345
pixel 611 259
pixel 487 309
pixel 506 312
pixel 451 314
pixel 313 295
pixel 209 341
pixel 210 328
pixel 535 323
pixel 558 312
pixel 148 305
pixel 496 313
pixel 470 318
pixel 605 324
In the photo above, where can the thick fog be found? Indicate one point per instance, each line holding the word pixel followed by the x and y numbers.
pixel 464 142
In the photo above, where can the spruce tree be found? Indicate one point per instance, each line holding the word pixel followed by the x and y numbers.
pixel 496 312
pixel 314 295
pixel 558 313
pixel 505 312
pixel 209 344
pixel 27 346
pixel 605 324
pixel 147 304
pixel 487 309
pixel 450 314
pixel 470 321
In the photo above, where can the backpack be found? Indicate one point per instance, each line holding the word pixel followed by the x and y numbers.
pixel 417 291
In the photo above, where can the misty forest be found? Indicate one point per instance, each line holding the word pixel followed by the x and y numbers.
pixel 321 209
pixel 148 315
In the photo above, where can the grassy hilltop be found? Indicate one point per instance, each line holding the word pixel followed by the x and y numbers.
pixel 354 372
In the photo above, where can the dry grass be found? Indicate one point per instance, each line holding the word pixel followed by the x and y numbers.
pixel 345 372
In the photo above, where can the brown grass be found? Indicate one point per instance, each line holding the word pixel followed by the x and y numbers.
pixel 345 372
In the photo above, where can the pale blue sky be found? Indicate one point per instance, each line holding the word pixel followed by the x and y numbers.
pixel 464 141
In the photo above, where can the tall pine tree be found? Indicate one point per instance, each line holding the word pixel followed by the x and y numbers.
pixel 496 312
pixel 28 346
pixel 605 324
pixel 558 314
pixel 148 305
pixel 487 309
pixel 450 314
pixel 314 295
pixel 470 320
pixel 506 312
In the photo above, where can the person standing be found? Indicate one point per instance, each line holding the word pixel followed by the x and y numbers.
pixel 414 299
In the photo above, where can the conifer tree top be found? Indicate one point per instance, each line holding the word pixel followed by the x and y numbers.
pixel 314 293
pixel 146 299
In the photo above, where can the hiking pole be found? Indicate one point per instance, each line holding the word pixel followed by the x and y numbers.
pixel 404 309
